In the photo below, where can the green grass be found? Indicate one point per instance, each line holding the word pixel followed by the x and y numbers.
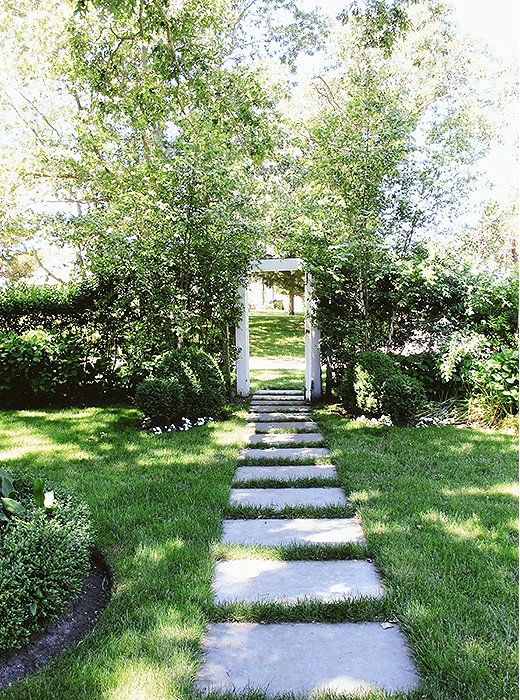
pixel 440 512
pixel 276 336
pixel 438 508
pixel 158 505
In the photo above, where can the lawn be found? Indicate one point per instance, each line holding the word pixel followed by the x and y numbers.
pixel 158 504
pixel 278 340
pixel 438 507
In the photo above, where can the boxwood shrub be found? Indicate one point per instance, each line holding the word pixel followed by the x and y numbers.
pixel 44 558
pixel 373 384
pixel 191 385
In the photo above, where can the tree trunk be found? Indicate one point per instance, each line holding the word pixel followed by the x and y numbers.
pixel 291 303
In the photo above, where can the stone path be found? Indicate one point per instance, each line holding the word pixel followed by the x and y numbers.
pixel 302 658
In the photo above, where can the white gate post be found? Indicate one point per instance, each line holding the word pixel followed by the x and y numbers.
pixel 312 346
pixel 242 343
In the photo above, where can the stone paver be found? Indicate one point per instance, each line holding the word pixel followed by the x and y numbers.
pixel 285 473
pixel 280 408
pixel 269 453
pixel 278 533
pixel 267 580
pixel 277 399
pixel 267 427
pixel 278 499
pixel 285 438
pixel 306 658
pixel 277 416
pixel 278 392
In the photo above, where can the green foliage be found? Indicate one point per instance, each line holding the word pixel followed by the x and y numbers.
pixel 185 382
pixel 161 400
pixel 373 384
pixel 402 397
pixel 45 556
pixel 495 388
pixel 363 379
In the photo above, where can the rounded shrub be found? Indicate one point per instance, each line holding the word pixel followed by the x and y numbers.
pixel 161 400
pixel 363 379
pixel 402 397
pixel 44 558
pixel 200 379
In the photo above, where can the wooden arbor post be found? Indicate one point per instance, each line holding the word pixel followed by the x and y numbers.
pixel 312 334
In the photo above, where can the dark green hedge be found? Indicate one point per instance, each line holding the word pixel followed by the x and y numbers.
pixel 44 558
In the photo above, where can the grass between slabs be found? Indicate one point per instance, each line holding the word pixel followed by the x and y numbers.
pixel 242 512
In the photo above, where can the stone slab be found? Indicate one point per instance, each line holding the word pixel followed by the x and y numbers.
pixel 279 533
pixel 278 499
pixel 278 399
pixel 285 438
pixel 280 408
pixel 266 580
pixel 267 427
pixel 278 392
pixel 269 453
pixel 285 473
pixel 306 658
pixel 279 416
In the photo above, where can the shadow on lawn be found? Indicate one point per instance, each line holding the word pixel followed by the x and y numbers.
pixel 158 505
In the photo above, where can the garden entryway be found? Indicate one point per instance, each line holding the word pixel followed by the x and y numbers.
pixel 312 334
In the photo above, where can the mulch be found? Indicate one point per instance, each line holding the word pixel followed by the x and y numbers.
pixel 65 632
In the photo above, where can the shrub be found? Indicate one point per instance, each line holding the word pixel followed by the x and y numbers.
pixel 373 384
pixel 363 377
pixel 495 388
pixel 402 397
pixel 199 377
pixel 44 557
pixel 37 368
pixel 161 400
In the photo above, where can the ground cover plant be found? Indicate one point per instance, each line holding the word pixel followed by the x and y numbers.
pixel 45 543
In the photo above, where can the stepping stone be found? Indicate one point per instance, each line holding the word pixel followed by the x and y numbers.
pixel 306 658
pixel 285 473
pixel 280 417
pixel 278 392
pixel 278 399
pixel 270 408
pixel 278 533
pixel 285 438
pixel 266 580
pixel 269 453
pixel 280 498
pixel 264 427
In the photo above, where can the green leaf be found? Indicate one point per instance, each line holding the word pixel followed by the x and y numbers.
pixel 33 607
pixel 38 493
pixel 13 507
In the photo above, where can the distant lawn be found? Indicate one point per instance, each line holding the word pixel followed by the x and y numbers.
pixel 277 336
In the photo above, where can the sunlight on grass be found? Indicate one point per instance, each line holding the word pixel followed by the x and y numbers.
pixel 139 681
pixel 497 490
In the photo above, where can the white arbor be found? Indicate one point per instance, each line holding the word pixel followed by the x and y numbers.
pixel 312 334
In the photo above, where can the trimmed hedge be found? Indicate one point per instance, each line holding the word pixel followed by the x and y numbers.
pixel 191 383
pixel 373 384
pixel 44 558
